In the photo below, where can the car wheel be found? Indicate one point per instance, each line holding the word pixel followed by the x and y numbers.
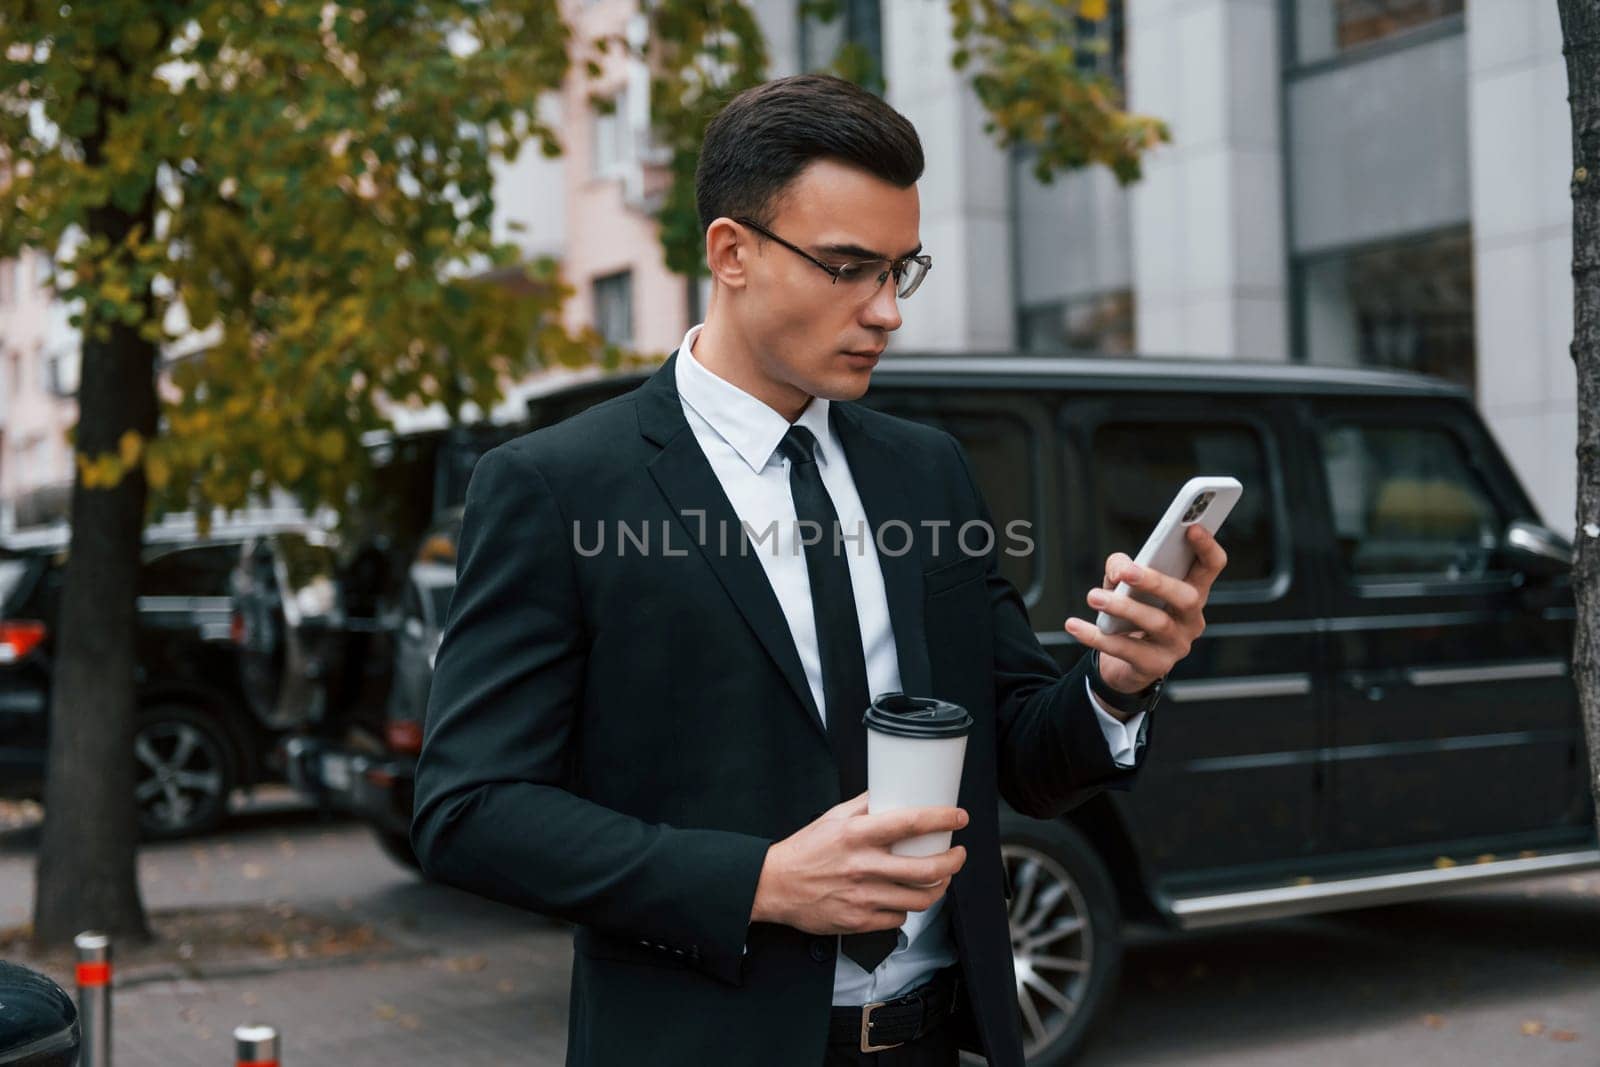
pixel 184 771
pixel 398 848
pixel 1066 936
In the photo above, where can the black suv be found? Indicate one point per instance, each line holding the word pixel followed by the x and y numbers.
pixel 1381 708
pixel 204 725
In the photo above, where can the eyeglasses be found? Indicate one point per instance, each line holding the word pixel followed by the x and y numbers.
pixel 863 277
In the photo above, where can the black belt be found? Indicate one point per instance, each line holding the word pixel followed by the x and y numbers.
pixel 891 1023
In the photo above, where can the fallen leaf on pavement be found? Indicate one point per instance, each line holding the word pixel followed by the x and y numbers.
pixel 1433 1022
pixel 1532 1028
pixel 1563 1035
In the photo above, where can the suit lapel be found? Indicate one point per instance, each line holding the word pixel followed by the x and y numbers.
pixel 879 471
pixel 690 486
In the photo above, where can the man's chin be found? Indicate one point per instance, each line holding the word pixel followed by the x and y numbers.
pixel 847 384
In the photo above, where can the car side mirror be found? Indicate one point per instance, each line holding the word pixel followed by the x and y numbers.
pixel 1536 550
pixel 38 1021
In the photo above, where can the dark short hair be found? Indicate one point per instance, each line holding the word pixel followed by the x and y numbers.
pixel 768 134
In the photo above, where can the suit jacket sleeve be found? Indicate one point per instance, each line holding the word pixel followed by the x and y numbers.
pixel 1052 753
pixel 495 812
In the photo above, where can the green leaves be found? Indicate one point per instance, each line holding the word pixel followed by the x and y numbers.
pixel 1026 54
pixel 319 178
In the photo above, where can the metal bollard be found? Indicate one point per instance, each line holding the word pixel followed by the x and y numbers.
pixel 94 997
pixel 255 1046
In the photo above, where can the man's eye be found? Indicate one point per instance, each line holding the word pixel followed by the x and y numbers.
pixel 853 272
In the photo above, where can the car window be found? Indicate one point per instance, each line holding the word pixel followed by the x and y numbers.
pixel 1004 454
pixel 199 571
pixel 431 584
pixel 1406 503
pixel 439 599
pixel 13 572
pixel 1139 466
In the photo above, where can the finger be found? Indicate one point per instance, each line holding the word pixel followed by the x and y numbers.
pixel 892 826
pixel 1152 620
pixel 1146 657
pixel 1209 558
pixel 856 805
pixel 916 870
pixel 906 898
pixel 1116 563
pixel 1179 596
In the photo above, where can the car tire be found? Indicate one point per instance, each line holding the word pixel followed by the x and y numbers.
pixel 1066 934
pixel 184 771
pixel 398 848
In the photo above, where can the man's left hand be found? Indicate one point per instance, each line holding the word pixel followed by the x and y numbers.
pixel 1161 637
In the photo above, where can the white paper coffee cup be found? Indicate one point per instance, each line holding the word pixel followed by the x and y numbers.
pixel 915 749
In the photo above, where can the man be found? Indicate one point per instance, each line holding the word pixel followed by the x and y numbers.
pixel 646 712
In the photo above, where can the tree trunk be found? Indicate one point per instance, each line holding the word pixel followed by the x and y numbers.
pixel 87 876
pixel 1580 31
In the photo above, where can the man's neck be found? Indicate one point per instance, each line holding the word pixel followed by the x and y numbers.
pixel 722 352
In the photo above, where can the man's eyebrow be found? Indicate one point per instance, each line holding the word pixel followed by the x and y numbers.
pixel 862 253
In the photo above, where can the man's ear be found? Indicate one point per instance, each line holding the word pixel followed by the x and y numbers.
pixel 727 246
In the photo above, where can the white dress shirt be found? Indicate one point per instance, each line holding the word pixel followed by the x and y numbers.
pixel 739 436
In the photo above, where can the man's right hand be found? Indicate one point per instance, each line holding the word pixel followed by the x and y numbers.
pixel 837 875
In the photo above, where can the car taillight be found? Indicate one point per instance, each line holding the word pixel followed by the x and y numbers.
pixel 403 736
pixel 19 637
pixel 236 628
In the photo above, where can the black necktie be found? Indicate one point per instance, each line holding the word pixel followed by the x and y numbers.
pixel 844 664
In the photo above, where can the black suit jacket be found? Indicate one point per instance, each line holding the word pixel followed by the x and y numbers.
pixel 615 738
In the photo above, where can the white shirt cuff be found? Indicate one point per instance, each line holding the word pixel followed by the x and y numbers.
pixel 1119 735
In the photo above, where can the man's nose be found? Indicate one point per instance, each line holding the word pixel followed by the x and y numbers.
pixel 883 310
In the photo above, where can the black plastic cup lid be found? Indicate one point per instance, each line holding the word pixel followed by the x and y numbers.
pixel 902 716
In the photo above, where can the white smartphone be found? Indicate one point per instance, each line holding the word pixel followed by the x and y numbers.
pixel 1203 501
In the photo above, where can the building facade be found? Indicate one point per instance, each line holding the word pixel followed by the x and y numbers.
pixel 1365 182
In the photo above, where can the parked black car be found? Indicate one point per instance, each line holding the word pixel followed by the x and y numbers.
pixel 38 1020
pixel 1381 708
pixel 209 714
pixel 370 771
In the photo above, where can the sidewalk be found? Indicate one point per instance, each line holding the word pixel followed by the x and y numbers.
pixel 462 981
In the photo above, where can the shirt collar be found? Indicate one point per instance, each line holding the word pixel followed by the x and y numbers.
pixel 751 427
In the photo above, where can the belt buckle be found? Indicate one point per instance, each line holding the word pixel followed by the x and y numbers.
pixel 866 1028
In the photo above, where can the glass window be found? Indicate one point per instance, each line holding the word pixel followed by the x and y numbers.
pixel 1099 323
pixel 613 140
pixel 1101 44
pixel 1004 456
pixel 613 308
pixel 1406 306
pixel 1140 466
pixel 1327 27
pixel 1002 452
pixel 848 40
pixel 1407 503
pixel 190 572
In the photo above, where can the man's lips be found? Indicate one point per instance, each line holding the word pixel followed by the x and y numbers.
pixel 871 353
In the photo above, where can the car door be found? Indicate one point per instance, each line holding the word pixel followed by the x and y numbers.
pixel 1231 789
pixel 1454 721
pixel 185 616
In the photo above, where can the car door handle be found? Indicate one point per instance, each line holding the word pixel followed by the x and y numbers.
pixel 1372 687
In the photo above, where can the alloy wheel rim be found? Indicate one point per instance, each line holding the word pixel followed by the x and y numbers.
pixel 1052 943
pixel 180 775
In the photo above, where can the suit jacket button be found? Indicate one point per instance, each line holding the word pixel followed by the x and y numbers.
pixel 821 951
